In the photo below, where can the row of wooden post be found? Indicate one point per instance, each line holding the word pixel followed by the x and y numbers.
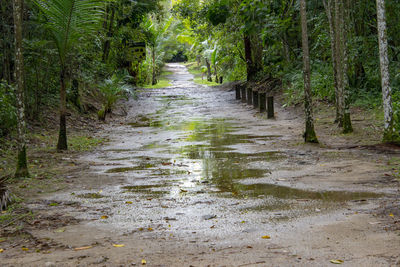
pixel 258 99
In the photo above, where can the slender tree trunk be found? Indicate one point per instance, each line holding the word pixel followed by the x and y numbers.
pixel 339 69
pixel 344 21
pixel 249 58
pixel 309 134
pixel 208 71
pixel 389 134
pixel 153 52
pixel 329 10
pixel 285 44
pixel 62 137
pixel 216 73
pixel 22 166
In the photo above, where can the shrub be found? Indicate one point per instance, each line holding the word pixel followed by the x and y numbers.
pixel 8 113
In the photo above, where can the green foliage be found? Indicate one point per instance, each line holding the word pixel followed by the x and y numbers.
pixel 396 109
pixel 68 20
pixel 321 84
pixel 8 115
pixel 113 89
pixel 84 143
pixel 217 12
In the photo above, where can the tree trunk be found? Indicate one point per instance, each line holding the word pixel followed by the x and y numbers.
pixel 154 78
pixel 62 137
pixel 208 71
pixel 389 134
pixel 249 59
pixel 216 74
pixel 22 166
pixel 309 134
pixel 338 61
pixel 285 45
pixel 344 21
pixel 329 10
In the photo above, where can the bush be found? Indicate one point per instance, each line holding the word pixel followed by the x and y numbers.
pixel 396 109
pixel 113 89
pixel 8 112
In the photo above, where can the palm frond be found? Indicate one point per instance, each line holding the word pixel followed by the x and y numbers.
pixel 67 20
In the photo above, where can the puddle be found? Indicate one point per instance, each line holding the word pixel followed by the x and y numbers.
pixel 91 195
pixel 283 192
pixel 148 190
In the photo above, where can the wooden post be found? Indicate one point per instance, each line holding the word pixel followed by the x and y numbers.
pixel 237 88
pixel 262 102
pixel 270 107
pixel 255 99
pixel 243 90
pixel 249 96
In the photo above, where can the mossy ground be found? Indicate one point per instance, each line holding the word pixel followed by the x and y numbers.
pixel 196 71
pixel 162 82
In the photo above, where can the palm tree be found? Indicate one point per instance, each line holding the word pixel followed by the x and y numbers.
pixel 68 20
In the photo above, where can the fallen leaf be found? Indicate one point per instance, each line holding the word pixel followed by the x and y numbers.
pixel 25 249
pixel 82 248
pixel 60 230
pixel 118 245
pixel 265 237
pixel 243 222
pixel 129 202
pixel 104 217
pixel 150 229
pixel 249 247
pixel 166 163
pixel 183 190
pixel 336 261
pixel 1 250
pixel 391 215
pixel 144 262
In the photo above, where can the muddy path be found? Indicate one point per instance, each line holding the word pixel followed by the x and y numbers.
pixel 194 178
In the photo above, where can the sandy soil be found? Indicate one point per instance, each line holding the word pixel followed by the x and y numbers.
pixel 192 177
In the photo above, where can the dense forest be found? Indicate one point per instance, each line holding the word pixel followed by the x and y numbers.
pixel 53 52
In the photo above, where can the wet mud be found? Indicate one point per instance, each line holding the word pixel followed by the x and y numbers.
pixel 195 178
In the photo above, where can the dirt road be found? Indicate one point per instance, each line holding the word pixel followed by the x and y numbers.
pixel 194 178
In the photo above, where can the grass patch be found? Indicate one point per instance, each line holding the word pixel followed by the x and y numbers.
pixel 84 143
pixel 198 73
pixel 162 83
pixel 205 82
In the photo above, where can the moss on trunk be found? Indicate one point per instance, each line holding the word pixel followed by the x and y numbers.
pixel 62 137
pixel 346 122
pixel 22 166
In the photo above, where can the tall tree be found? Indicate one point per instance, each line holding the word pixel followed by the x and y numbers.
pixel 309 134
pixel 330 12
pixel 389 131
pixel 22 166
pixel 344 65
pixel 68 20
